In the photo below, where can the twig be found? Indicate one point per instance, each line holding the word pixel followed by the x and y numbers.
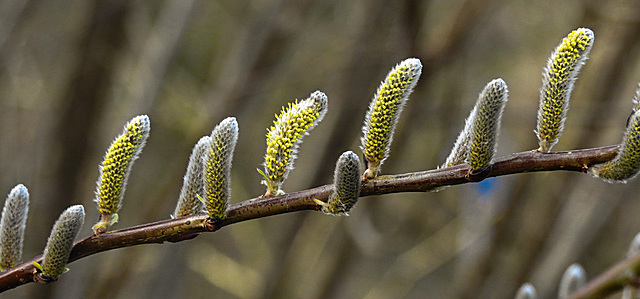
pixel 184 228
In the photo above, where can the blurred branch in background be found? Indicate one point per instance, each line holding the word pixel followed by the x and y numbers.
pixel 73 71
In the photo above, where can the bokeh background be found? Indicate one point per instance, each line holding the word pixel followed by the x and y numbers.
pixel 73 72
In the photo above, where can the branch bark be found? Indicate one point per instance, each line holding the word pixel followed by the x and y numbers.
pixel 175 230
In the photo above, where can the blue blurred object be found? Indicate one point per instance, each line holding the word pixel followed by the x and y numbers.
pixel 487 186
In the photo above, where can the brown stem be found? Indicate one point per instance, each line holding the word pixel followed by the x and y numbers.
pixel 611 281
pixel 188 227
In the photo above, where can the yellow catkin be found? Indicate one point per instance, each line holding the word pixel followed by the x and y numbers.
pixel 115 169
pixel 218 167
pixel 559 77
pixel 384 112
pixel 284 137
pixel 626 164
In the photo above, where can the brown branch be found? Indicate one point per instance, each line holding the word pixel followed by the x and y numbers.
pixel 611 281
pixel 180 229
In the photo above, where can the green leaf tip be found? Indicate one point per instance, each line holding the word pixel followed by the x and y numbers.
pixel 192 191
pixel 558 80
pixel 285 136
pixel 626 164
pixel 12 226
pixel 347 184
pixel 476 143
pixel 218 167
pixel 60 242
pixel 115 169
pixel 384 112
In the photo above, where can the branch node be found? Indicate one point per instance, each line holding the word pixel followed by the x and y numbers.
pixel 478 175
pixel 212 225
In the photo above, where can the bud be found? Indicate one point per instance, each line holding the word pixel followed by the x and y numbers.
pixel 346 182
pixel 557 83
pixel 384 112
pixel 572 280
pixel 60 243
pixel 190 201
pixel 12 225
pixel 115 170
pixel 218 167
pixel 285 136
pixel 527 291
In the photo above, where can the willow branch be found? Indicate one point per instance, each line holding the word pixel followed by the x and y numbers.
pixel 611 281
pixel 184 228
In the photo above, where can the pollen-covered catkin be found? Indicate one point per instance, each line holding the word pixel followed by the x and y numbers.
pixel 484 132
pixel 384 112
pixel 192 191
pixel 285 136
pixel 12 226
pixel 559 77
pixel 115 169
pixel 218 167
pixel 347 183
pixel 60 243
pixel 626 164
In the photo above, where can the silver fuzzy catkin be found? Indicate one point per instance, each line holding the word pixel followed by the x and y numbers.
pixel 347 184
pixel 60 243
pixel 12 226
pixel 192 192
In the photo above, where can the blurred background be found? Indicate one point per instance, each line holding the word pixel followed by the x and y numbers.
pixel 73 72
